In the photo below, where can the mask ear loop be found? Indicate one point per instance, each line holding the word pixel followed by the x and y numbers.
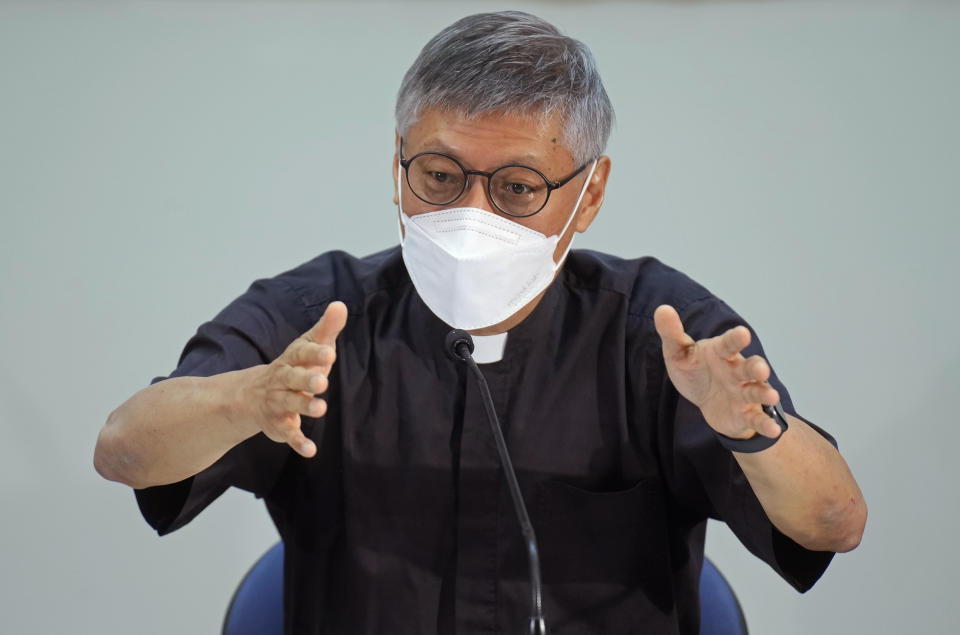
pixel 401 226
pixel 576 208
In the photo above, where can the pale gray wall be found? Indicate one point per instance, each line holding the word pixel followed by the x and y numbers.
pixel 799 158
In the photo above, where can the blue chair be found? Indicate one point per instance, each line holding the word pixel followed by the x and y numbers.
pixel 257 605
pixel 720 611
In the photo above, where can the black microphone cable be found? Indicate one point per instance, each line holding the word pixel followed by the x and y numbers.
pixel 459 346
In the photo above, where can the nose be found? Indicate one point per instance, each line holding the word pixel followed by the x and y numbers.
pixel 476 194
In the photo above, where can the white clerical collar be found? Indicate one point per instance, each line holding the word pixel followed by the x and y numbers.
pixel 489 348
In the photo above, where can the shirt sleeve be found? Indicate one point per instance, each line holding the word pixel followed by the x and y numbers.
pixel 704 478
pixel 252 330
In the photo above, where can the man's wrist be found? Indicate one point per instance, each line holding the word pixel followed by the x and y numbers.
pixel 232 391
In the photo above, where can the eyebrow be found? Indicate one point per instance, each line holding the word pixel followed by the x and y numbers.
pixel 526 159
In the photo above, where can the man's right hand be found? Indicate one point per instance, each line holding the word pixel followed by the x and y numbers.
pixel 285 389
pixel 178 427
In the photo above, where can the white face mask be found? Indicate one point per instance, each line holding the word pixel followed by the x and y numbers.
pixel 474 268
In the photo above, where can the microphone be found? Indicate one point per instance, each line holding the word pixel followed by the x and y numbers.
pixel 455 342
pixel 459 346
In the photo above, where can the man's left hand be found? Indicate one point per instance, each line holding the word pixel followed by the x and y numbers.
pixel 711 373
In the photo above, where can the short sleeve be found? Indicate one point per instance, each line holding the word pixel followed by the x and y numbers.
pixel 704 478
pixel 252 330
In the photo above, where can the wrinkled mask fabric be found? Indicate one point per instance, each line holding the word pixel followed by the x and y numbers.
pixel 474 268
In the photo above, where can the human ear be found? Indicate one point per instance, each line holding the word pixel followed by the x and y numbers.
pixel 396 166
pixel 593 195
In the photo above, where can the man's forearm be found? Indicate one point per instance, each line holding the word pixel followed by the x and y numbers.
pixel 807 489
pixel 172 430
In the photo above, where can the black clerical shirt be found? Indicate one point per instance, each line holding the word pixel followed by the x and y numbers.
pixel 402 523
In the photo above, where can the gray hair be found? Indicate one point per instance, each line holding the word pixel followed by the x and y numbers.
pixel 512 63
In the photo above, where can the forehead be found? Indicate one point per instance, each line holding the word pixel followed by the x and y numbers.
pixel 490 140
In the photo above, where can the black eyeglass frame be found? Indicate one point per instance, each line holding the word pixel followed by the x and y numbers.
pixel 551 185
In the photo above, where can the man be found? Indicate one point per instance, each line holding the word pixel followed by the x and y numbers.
pixel 632 400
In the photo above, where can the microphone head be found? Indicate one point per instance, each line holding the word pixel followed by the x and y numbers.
pixel 454 343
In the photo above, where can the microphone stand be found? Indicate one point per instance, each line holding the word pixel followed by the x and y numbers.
pixel 459 345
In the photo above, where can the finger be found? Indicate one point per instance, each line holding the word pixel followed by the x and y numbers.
pixel 670 329
pixel 733 341
pixel 283 402
pixel 763 424
pixel 756 368
pixel 760 392
pixel 304 447
pixel 300 379
pixel 325 331
pixel 303 352
pixel 753 369
pixel 293 436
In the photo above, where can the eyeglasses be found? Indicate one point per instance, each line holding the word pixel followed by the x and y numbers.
pixel 515 190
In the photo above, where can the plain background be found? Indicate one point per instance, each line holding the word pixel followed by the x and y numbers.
pixel 801 159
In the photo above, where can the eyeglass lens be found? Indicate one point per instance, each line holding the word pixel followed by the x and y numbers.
pixel 439 180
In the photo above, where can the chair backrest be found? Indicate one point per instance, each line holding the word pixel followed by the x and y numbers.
pixel 720 611
pixel 257 605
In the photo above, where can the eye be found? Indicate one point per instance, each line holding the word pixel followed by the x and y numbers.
pixel 441 177
pixel 517 189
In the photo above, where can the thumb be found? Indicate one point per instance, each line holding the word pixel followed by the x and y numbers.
pixel 667 322
pixel 327 328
